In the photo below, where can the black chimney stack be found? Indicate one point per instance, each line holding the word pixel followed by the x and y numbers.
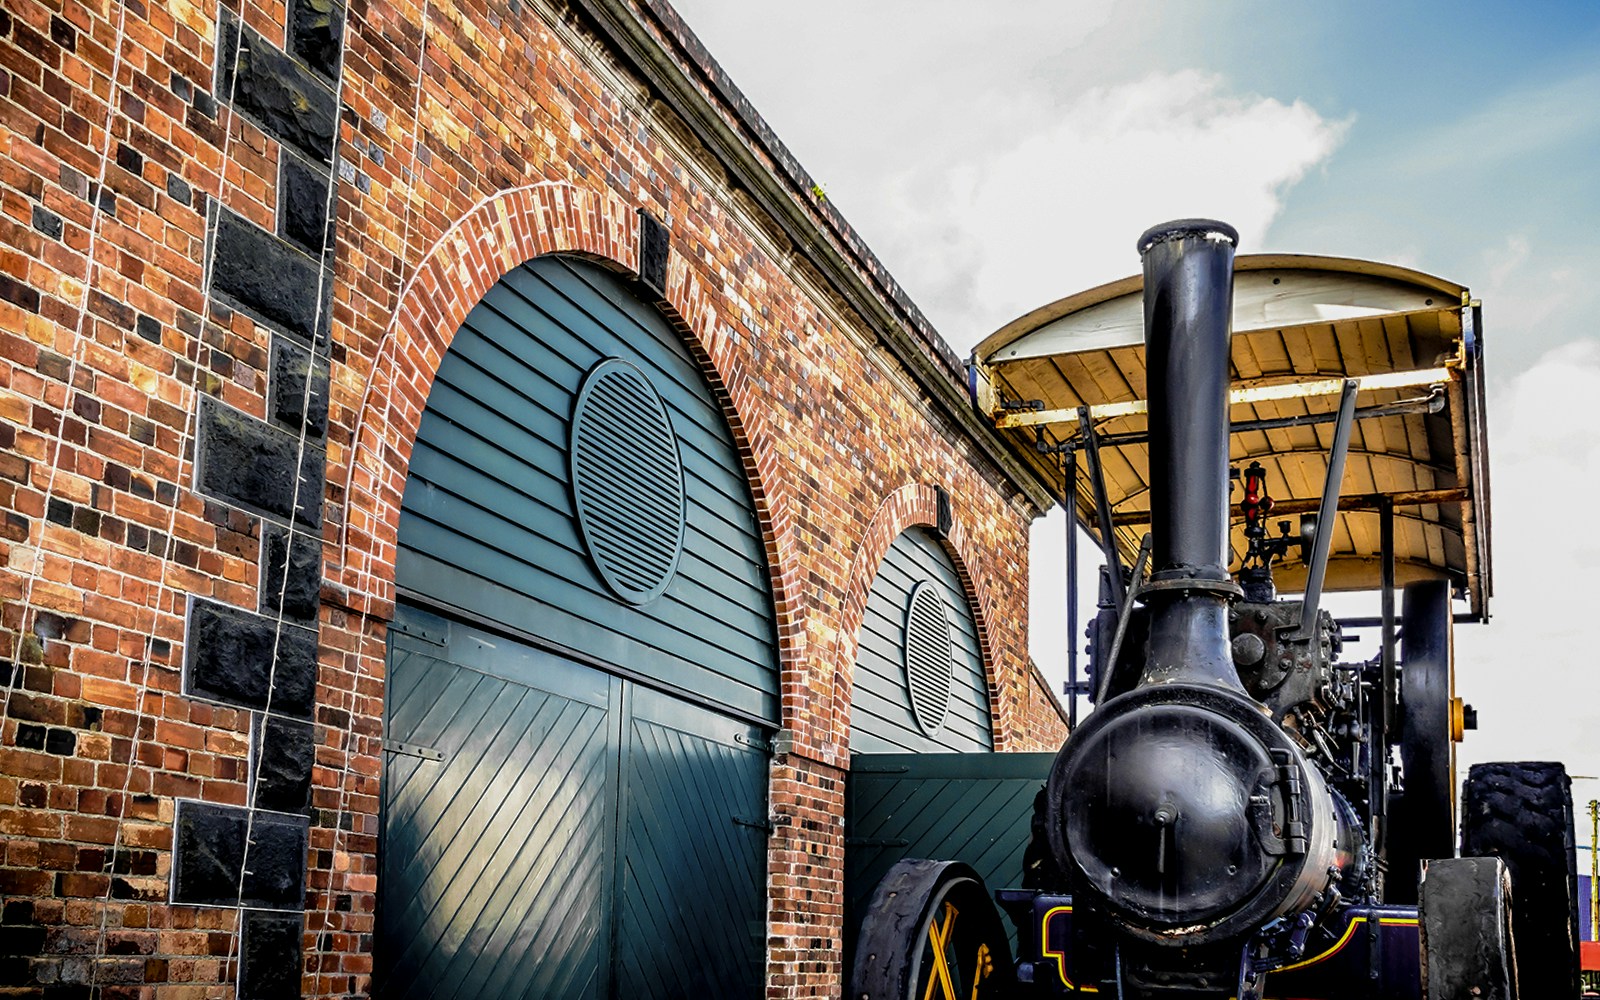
pixel 1188 306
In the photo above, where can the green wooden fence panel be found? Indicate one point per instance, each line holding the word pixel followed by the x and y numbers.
pixel 972 807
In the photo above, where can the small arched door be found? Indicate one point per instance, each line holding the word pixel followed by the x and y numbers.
pixel 920 718
pixel 919 682
pixel 582 669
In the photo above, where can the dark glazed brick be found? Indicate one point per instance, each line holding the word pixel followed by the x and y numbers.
pixel 316 33
pixel 47 222
pixel 17 970
pixel 18 294
pixel 267 277
pixel 288 101
pixel 253 463
pixel 129 159
pixel 228 657
pixel 270 957
pixel 209 854
pixel 283 776
pixel 178 190
pixel 149 328
pixel 86 520
pixel 289 365
pixel 30 737
pixel 21 940
pixel 63 34
pixel 302 592
pixel 303 204
pixel 109 308
pixel 63 742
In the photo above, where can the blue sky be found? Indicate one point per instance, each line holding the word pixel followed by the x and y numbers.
pixel 1002 155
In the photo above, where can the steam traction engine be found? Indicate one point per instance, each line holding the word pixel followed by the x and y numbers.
pixel 1243 814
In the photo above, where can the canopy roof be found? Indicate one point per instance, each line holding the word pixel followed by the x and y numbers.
pixel 1301 325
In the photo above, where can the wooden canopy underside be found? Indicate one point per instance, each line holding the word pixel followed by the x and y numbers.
pixel 1300 324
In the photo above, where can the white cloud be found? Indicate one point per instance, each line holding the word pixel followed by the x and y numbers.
pixel 1536 296
pixel 1504 261
pixel 1530 671
pixel 980 242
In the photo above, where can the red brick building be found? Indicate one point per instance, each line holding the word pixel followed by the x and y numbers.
pixel 236 246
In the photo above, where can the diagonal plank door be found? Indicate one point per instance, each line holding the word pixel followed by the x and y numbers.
pixel 493 878
pixel 554 831
pixel 692 917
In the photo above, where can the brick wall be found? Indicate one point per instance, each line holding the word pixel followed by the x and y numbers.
pixel 234 244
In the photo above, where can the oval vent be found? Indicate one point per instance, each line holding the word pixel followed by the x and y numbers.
pixel 928 659
pixel 627 481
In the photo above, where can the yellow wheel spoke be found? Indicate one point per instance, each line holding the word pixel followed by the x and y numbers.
pixel 939 938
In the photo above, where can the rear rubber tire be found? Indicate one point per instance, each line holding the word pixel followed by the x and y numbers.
pixel 1522 814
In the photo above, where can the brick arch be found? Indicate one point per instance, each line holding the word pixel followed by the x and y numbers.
pixel 912 505
pixel 498 235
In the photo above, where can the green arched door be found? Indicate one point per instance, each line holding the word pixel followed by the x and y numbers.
pixel 582 670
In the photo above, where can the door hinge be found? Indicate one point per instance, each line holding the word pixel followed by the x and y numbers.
pixel 782 742
pixel 754 824
pixel 412 750
pixel 876 842
pixel 434 634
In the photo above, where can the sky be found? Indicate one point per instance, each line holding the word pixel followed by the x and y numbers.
pixel 999 156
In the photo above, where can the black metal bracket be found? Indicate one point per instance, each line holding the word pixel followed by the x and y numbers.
pixel 655 247
pixel 1124 614
pixel 1021 405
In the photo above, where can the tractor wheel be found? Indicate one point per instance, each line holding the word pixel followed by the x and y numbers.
pixel 1422 823
pixel 1040 871
pixel 931 931
pixel 1467 931
pixel 1522 814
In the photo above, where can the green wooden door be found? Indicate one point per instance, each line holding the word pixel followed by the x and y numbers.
pixel 573 799
pixel 882 717
pixel 693 905
pixel 494 749
pixel 551 830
